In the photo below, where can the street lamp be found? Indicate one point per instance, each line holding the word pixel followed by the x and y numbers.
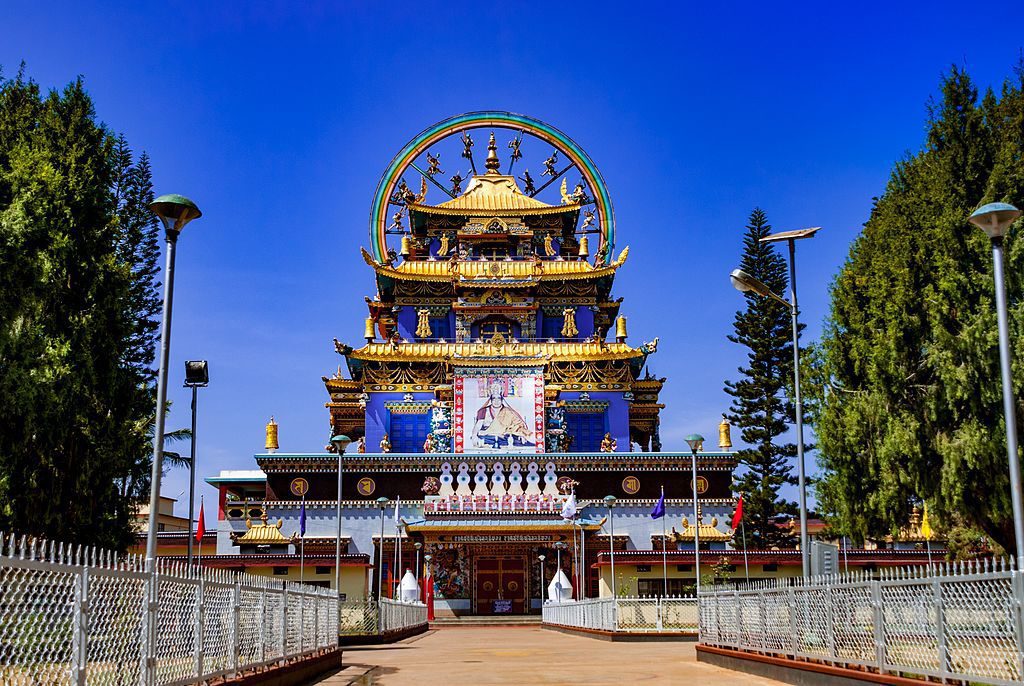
pixel 382 503
pixel 417 545
pixel 746 283
pixel 197 375
pixel 995 219
pixel 174 211
pixel 559 546
pixel 340 442
pixel 696 442
pixel 609 500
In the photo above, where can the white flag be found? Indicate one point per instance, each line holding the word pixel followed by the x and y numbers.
pixel 569 507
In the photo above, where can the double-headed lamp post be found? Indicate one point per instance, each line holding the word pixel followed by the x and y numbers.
pixel 995 219
pixel 340 442
pixel 540 559
pixel 197 375
pixel 746 283
pixel 382 503
pixel 174 211
pixel 696 442
pixel 609 500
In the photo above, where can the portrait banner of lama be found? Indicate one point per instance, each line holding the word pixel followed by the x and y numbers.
pixel 499 411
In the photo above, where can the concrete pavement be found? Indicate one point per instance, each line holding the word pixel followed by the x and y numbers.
pixel 467 656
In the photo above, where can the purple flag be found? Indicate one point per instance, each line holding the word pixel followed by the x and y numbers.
pixel 302 519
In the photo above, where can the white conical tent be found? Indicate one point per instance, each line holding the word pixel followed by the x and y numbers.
pixel 560 589
pixel 410 589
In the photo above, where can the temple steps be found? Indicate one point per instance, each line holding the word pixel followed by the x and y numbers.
pixel 486 620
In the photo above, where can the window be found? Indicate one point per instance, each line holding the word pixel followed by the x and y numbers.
pixel 440 328
pixel 280 571
pixel 653 587
pixel 771 568
pixel 323 570
pixel 408 432
pixel 551 327
pixel 643 568
pixel 490 327
pixel 587 429
pixel 684 568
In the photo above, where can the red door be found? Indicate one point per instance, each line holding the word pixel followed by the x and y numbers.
pixel 500 585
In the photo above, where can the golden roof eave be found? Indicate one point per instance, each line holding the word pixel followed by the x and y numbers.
pixel 476 354
pixel 262 533
pixel 493 195
pixel 466 272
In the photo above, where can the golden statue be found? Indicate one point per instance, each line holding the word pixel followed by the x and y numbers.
pixel 361 445
pixel 607 444
pixel 549 248
pixel 569 329
pixel 423 323
pixel 385 444
pixel 724 435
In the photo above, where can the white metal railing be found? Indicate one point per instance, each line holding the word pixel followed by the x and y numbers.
pixel 361 617
pixel 631 615
pixel 963 622
pixel 78 615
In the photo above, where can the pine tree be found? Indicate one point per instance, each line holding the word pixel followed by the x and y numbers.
pixel 760 408
pixel 909 357
pixel 76 299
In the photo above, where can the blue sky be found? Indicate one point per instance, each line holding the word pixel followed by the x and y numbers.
pixel 278 118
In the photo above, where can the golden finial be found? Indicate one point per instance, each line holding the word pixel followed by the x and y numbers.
pixel 584 247
pixel 271 444
pixel 724 434
pixel 620 329
pixel 368 333
pixel 492 162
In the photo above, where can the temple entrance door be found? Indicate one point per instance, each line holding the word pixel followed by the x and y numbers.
pixel 500 585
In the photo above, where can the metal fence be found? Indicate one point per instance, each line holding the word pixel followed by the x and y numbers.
pixel 85 616
pixel 631 615
pixel 963 622
pixel 362 618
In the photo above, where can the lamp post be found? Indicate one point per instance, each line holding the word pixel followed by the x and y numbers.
pixel 174 211
pixel 746 283
pixel 197 375
pixel 541 559
pixel 559 546
pixel 696 442
pixel 995 219
pixel 417 545
pixel 609 500
pixel 382 503
pixel 340 442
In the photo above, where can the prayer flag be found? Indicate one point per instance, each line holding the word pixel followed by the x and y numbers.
pixel 201 526
pixel 302 519
pixel 737 518
pixel 569 507
pixel 659 509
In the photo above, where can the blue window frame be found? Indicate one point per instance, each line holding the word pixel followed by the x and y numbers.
pixel 408 432
pixel 587 430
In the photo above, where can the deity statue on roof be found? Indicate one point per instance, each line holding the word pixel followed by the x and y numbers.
pixel 607 444
pixel 457 183
pixel 528 186
pixel 361 445
pixel 549 165
pixel 434 164
pixel 385 444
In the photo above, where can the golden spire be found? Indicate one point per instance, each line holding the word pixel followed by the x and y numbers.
pixel 620 329
pixel 271 444
pixel 492 163
pixel 724 435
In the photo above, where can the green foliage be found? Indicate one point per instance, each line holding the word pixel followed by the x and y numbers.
pixel 760 408
pixel 77 299
pixel 908 402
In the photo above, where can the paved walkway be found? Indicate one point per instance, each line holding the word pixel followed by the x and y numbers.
pixel 527 655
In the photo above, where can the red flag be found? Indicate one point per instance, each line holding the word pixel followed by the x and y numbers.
pixel 738 517
pixel 201 526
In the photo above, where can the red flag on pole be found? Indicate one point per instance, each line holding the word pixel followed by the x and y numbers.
pixel 737 518
pixel 201 526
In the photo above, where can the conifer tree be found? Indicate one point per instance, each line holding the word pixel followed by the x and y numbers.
pixel 909 357
pixel 760 409
pixel 76 295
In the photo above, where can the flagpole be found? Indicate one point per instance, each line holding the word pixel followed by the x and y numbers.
pixel 583 563
pixel 302 542
pixel 201 533
pixel 664 551
pixel 743 533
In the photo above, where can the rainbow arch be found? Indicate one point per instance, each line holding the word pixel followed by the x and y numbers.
pixel 414 148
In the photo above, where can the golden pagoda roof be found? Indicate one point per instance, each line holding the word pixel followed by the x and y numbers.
pixel 509 353
pixel 486 272
pixel 912 532
pixel 262 533
pixel 708 532
pixel 493 195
